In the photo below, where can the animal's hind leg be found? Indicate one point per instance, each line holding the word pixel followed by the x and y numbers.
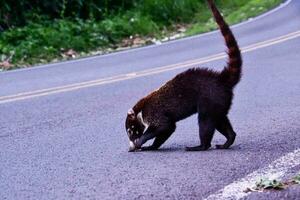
pixel 225 128
pixel 206 132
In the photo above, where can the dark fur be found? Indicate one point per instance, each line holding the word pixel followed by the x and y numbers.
pixel 201 91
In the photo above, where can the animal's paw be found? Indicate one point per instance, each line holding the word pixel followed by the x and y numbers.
pixel 134 146
pixel 137 143
pixel 149 148
pixel 134 150
pixel 197 148
pixel 222 146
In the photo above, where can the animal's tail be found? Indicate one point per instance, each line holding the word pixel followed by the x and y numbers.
pixel 231 74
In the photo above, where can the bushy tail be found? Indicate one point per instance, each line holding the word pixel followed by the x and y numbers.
pixel 231 74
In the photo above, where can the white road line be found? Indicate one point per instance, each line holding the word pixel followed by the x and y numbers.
pixel 276 169
pixel 148 72
pixel 283 5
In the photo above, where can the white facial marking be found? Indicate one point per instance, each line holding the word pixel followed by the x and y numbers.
pixel 141 120
pixel 130 111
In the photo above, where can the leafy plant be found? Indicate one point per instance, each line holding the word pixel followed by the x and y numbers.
pixel 22 12
pixel 269 184
pixel 296 179
pixel 33 32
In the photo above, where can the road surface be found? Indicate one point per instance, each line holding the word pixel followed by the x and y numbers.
pixel 62 130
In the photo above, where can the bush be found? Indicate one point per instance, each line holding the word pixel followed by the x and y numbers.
pixel 169 11
pixel 47 40
pixel 22 12
pixel 90 25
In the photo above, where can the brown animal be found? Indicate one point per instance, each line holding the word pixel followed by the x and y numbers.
pixel 203 91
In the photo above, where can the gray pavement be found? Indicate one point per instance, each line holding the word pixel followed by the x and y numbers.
pixel 73 145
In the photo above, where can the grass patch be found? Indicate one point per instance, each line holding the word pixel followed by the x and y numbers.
pixel 45 40
pixel 234 12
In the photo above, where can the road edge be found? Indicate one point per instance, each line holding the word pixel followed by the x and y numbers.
pixel 250 20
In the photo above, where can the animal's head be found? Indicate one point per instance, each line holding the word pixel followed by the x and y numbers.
pixel 134 128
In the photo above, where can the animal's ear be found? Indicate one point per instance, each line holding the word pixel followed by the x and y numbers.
pixel 131 114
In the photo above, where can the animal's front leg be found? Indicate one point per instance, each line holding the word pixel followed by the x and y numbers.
pixel 149 134
pixel 161 138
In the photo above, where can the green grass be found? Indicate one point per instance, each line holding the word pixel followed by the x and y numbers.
pixel 234 12
pixel 45 41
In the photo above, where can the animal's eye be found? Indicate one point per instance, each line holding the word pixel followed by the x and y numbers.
pixel 132 127
pixel 137 132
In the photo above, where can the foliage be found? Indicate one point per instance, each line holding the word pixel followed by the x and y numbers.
pixel 45 41
pixel 269 184
pixel 265 184
pixel 296 179
pixel 169 11
pixel 21 12
pixel 39 31
pixel 234 11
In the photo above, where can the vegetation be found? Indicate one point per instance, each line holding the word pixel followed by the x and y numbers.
pixel 266 184
pixel 41 31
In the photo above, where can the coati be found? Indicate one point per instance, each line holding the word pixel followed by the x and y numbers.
pixel 203 91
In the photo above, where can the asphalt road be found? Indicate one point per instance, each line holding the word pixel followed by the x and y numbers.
pixel 62 130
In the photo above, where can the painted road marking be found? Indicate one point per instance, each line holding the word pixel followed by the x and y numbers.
pixel 251 20
pixel 275 170
pixel 148 72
